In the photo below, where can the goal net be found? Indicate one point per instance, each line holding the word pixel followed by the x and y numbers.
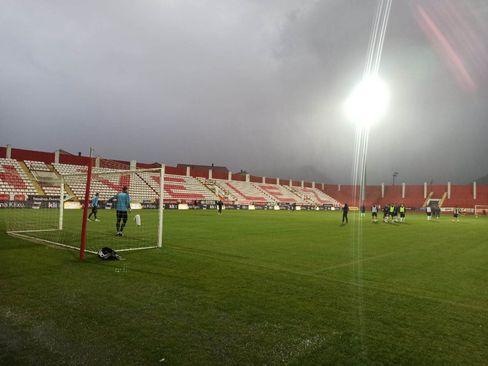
pixel 62 218
pixel 480 210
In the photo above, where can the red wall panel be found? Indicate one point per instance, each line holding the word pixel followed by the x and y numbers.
pixel 199 172
pixel 219 174
pixel 256 179
pixel 175 170
pixel 21 154
pixel 239 177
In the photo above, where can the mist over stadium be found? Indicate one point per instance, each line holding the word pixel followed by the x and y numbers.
pixel 247 80
pixel 243 182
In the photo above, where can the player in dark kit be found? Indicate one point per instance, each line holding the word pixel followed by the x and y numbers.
pixel 455 214
pixel 219 206
pixel 345 211
pixel 362 210
pixel 386 209
pixel 122 206
pixel 94 209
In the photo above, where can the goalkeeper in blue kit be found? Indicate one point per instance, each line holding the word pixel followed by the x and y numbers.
pixel 94 208
pixel 122 206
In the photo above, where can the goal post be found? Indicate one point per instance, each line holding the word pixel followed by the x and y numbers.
pixel 161 205
pixel 64 219
pixel 85 206
pixel 480 210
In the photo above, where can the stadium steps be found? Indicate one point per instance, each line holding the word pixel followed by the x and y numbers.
pixel 67 189
pixel 147 183
pixel 33 180
pixel 70 192
pixel 266 194
pixel 444 196
pixel 217 189
pixel 426 202
pixel 207 188
pixel 303 198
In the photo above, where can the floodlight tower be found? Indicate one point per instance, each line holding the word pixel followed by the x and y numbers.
pixel 394 175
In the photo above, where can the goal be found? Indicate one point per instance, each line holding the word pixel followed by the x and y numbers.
pixel 480 210
pixel 63 217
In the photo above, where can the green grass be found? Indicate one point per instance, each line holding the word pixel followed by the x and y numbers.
pixel 253 288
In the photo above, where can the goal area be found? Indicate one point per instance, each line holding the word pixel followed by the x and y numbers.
pixel 66 217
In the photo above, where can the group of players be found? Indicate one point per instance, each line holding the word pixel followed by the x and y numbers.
pixel 122 206
pixel 391 212
pixel 396 213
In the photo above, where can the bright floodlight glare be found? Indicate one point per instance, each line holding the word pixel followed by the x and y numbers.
pixel 368 102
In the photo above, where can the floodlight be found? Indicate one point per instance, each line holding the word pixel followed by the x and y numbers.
pixel 368 102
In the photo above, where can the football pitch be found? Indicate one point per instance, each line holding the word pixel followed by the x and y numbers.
pixel 252 287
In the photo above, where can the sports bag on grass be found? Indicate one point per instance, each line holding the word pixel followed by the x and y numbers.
pixel 107 253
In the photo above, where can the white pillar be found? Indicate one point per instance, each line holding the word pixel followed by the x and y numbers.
pixel 97 162
pixel 229 176
pixel 474 190
pixel 403 190
pixel 61 203
pixel 277 180
pixel 248 177
pixel 161 205
pixel 313 184
pixel 425 190
pixel 383 190
pixel 264 180
pixel 338 187
pixel 133 165
pixel 210 174
pixel 303 184
pixel 8 152
pixel 187 171
pixel 56 156
pixel 290 183
pixel 448 190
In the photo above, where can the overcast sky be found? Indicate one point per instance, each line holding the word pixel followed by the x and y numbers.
pixel 255 85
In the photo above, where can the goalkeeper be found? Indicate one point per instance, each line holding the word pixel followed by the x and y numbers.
pixel 122 206
pixel 94 208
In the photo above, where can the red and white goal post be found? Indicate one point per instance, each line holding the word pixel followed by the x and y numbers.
pixel 62 220
pixel 480 210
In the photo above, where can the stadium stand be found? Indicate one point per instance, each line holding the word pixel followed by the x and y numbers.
pixel 45 177
pixel 179 188
pixel 461 196
pixel 315 196
pixel 280 193
pixel 220 191
pixel 25 173
pixel 372 195
pixel 106 188
pixel 245 192
pixel 342 193
pixel 14 182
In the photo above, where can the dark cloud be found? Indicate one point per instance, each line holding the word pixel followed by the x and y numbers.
pixel 248 84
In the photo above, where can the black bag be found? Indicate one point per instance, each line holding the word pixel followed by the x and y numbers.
pixel 108 254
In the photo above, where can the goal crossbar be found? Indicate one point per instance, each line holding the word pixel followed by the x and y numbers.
pixel 113 172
